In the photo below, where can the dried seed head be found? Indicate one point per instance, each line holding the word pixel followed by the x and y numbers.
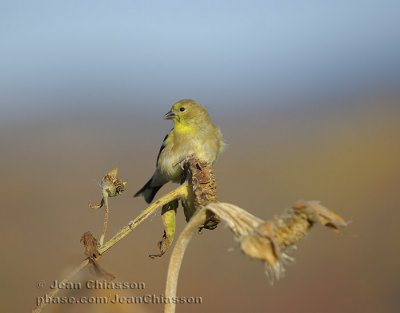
pixel 269 240
pixel 112 184
pixel 202 188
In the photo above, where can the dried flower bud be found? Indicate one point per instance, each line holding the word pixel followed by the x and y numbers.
pixel 112 184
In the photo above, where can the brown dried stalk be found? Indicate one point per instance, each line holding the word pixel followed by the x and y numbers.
pixel 178 252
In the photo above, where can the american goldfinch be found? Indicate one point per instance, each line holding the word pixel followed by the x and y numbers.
pixel 193 133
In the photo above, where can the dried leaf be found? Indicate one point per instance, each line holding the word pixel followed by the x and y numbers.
pixel 90 244
pixel 97 206
pixel 259 247
pixel 327 217
pixel 113 173
pixel 100 271
pixel 168 217
pixel 211 222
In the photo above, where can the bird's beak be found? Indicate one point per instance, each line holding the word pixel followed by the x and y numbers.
pixel 169 116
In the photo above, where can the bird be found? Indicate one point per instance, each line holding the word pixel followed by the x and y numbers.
pixel 193 133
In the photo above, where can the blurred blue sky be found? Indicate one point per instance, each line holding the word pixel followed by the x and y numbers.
pixel 61 56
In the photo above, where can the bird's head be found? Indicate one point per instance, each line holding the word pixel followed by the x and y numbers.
pixel 187 113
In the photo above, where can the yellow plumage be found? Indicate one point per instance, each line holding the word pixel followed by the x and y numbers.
pixel 193 133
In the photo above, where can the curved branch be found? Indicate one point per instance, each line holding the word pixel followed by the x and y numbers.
pixel 177 256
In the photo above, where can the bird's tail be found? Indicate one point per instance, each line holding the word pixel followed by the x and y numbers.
pixel 148 191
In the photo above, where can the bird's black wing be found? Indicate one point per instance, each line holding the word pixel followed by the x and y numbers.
pixel 161 148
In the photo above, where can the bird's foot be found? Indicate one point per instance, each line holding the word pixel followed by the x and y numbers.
pixel 182 162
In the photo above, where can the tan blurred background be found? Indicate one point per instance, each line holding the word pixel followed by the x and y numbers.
pixel 306 94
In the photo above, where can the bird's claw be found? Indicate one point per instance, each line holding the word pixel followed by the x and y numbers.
pixel 182 162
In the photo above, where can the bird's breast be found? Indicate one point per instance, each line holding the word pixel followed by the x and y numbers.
pixel 177 147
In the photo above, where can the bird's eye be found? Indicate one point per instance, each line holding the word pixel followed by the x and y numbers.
pixel 182 109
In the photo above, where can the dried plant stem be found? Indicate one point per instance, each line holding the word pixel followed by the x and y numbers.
pixel 180 192
pixel 105 197
pixel 177 256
